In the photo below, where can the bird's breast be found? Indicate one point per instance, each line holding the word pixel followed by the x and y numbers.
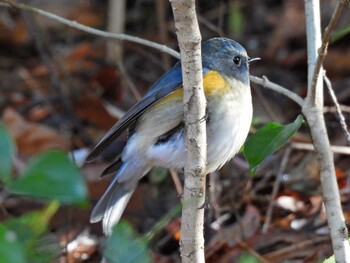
pixel 159 135
pixel 229 120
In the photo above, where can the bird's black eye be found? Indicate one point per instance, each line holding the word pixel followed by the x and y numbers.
pixel 237 60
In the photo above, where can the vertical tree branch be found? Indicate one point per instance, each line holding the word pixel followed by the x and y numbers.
pixel 115 24
pixel 189 38
pixel 314 36
pixel 313 112
pixel 322 51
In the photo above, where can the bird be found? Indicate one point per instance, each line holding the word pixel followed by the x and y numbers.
pixel 156 128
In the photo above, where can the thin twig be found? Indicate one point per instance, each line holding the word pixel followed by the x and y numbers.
pixel 275 189
pixel 339 112
pixel 322 52
pixel 128 81
pixel 209 25
pixel 90 30
pixel 333 109
pixel 310 147
pixel 281 253
pixel 273 86
pixel 177 182
pixel 265 104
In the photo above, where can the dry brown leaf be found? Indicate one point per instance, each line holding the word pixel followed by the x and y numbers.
pixel 92 110
pixel 17 34
pixel 32 138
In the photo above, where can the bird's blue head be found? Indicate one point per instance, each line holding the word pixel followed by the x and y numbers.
pixel 227 57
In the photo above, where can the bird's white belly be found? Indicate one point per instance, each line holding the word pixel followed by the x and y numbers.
pixel 227 129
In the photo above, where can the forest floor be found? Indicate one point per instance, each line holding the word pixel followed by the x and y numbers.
pixel 59 89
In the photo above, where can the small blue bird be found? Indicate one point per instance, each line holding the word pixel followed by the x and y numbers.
pixel 156 125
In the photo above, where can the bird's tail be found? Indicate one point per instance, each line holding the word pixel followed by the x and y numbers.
pixel 112 204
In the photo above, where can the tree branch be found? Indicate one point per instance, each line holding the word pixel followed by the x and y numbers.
pixel 273 86
pixel 310 147
pixel 313 33
pixel 322 51
pixel 189 38
pixel 338 109
pixel 313 112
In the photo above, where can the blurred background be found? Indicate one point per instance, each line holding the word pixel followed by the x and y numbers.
pixel 61 88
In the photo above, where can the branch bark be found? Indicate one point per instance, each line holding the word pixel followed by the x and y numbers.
pixel 189 38
pixel 273 86
pixel 115 24
pixel 313 112
pixel 322 51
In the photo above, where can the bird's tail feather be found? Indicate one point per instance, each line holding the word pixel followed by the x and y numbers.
pixel 112 204
pixel 116 205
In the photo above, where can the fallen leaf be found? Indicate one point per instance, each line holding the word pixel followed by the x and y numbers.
pixel 32 138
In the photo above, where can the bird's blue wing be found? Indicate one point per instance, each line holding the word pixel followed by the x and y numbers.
pixel 172 78
pixel 170 81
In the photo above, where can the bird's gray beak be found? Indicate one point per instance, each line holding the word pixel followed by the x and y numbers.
pixel 253 59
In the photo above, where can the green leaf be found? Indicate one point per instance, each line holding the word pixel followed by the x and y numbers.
pixel 51 175
pixel 10 249
pixel 7 150
pixel 247 258
pixel 267 140
pixel 340 33
pixel 236 19
pixel 123 246
pixel 159 175
pixel 329 260
pixel 163 222
pixel 44 249
pixel 33 224
pixel 30 229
